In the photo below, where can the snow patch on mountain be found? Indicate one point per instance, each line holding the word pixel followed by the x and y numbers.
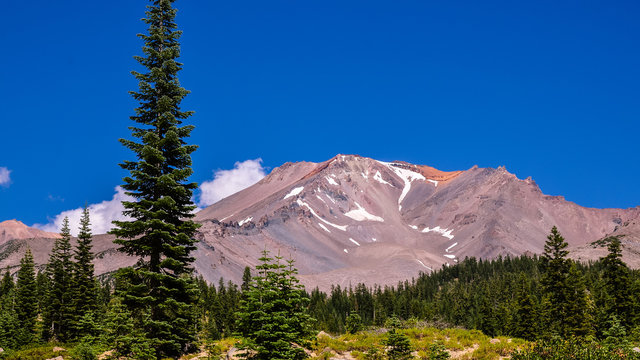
pixel 294 192
pixel 353 241
pixel 449 248
pixel 330 180
pixel 242 222
pixel 442 231
pixel 340 227
pixel 421 263
pixel 435 182
pixel 378 178
pixel 407 177
pixel 360 214
pixel 324 228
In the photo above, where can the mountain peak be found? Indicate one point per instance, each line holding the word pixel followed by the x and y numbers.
pixel 15 229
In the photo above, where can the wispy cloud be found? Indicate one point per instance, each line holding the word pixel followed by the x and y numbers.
pixel 228 182
pixel 5 176
pixel 101 214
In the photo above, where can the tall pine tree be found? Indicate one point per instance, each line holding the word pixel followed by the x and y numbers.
pixel 554 281
pixel 59 312
pixel 617 284
pixel 26 303
pixel 161 232
pixel 85 290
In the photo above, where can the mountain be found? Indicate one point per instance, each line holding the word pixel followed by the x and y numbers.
pixel 353 219
pixel 15 237
pixel 14 229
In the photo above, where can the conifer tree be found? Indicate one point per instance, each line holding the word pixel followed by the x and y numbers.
pixel 246 279
pixel 398 343
pixel 6 285
pixel 26 300
pixel 554 280
pixel 44 285
pixel 8 321
pixel 579 319
pixel 617 284
pixel 272 317
pixel 8 316
pixel 85 289
pixel 59 312
pixel 525 324
pixel 161 232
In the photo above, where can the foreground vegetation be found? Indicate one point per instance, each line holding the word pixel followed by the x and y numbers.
pixel 425 342
pixel 504 300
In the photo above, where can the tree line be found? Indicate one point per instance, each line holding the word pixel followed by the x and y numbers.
pixel 530 297
pixel 538 297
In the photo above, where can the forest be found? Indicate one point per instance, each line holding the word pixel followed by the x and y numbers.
pixel 543 298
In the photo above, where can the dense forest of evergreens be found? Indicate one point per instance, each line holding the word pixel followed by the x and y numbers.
pixel 535 298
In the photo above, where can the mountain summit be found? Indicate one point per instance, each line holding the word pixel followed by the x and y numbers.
pixel 353 219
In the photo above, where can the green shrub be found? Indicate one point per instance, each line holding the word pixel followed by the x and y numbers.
pixel 354 323
pixel 83 351
pixel 437 351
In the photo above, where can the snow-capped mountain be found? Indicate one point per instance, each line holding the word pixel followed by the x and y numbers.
pixel 353 219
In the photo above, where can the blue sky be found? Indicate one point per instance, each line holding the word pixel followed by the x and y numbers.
pixel 549 89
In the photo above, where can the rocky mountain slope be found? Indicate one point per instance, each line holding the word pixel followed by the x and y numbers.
pixel 353 219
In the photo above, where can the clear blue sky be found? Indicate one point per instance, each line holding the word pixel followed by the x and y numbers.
pixel 549 89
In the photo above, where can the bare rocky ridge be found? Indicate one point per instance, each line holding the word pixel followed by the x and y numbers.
pixel 353 219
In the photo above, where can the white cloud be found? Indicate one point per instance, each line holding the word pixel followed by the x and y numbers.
pixel 101 215
pixel 5 177
pixel 228 182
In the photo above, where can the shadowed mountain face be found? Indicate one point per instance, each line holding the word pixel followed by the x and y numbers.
pixel 353 219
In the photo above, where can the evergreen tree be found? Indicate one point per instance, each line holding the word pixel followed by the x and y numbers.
pixel 554 281
pixel 44 285
pixel 272 317
pixel 579 318
pixel 59 313
pixel 8 316
pixel 85 289
pixel 617 284
pixel 354 323
pixel 398 343
pixel 6 284
pixel 121 334
pixel 615 336
pixel 526 319
pixel 246 279
pixel 161 232
pixel 26 301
